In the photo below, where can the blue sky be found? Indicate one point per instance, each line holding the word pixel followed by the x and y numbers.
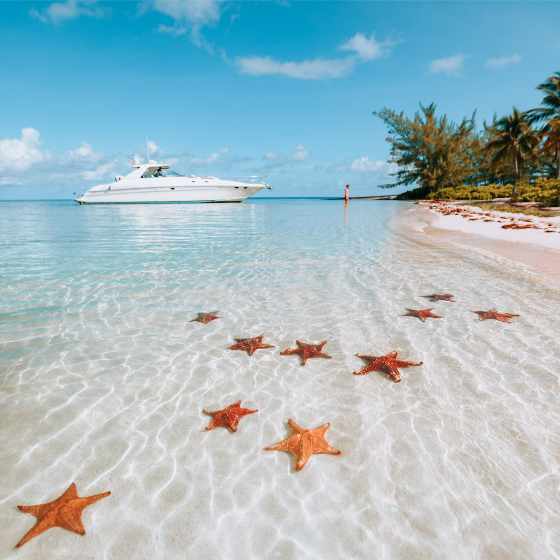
pixel 281 89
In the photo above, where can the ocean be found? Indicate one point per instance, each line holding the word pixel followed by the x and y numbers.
pixel 104 378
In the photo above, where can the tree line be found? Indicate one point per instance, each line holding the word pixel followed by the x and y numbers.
pixel 432 152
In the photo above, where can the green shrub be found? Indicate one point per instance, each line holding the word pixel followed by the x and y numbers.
pixel 544 191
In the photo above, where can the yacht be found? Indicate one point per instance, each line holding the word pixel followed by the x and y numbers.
pixel 155 182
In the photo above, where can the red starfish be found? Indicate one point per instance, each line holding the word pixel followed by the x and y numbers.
pixel 388 364
pixel 307 351
pixel 65 512
pixel 493 314
pixel 422 314
pixel 228 417
pixel 249 345
pixel 440 297
pixel 205 318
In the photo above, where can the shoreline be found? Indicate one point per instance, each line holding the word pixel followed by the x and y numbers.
pixel 530 247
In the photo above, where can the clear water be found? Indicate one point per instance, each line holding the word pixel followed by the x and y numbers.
pixel 103 380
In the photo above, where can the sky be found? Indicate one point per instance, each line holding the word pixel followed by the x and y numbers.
pixel 276 89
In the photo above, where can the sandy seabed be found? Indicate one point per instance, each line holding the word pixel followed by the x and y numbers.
pixel 104 384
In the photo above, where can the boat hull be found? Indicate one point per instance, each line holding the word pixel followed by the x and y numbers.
pixel 169 195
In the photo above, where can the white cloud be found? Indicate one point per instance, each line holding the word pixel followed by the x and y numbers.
pixel 189 17
pixel 367 48
pixel 84 152
pixel 196 12
pixel 175 30
pixel 212 158
pixel 451 65
pixel 315 69
pixel 59 12
pixel 270 156
pixel 19 154
pixel 300 153
pixel 365 165
pixel 151 147
pixel 503 61
pixel 102 171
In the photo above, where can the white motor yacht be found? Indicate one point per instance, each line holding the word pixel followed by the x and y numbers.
pixel 155 182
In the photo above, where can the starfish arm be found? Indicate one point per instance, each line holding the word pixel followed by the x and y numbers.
pixel 321 446
pixel 363 371
pixel 71 491
pixel 405 364
pixel 393 372
pixel 231 421
pixel 267 346
pixel 284 445
pixel 37 511
pixel 289 351
pixel 325 356
pixel 305 450
pixel 40 527
pixel 296 427
pixel 246 411
pixel 366 357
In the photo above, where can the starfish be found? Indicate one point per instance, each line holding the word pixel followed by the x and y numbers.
pixel 304 443
pixel 493 314
pixel 228 417
pixel 306 351
pixel 440 297
pixel 205 318
pixel 250 345
pixel 422 314
pixel 64 512
pixel 388 364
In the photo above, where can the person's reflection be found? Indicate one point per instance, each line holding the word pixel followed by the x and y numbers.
pixel 346 203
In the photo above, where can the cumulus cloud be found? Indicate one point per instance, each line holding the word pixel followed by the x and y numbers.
pixel 301 153
pixel 451 65
pixel 365 165
pixel 211 158
pixel 59 12
pixel 314 69
pixel 503 61
pixel 151 147
pixel 84 152
pixel 366 48
pixel 102 171
pixel 19 154
pixel 361 47
pixel 189 17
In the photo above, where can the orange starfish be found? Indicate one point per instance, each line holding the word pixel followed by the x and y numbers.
pixel 228 417
pixel 304 443
pixel 493 314
pixel 250 345
pixel 421 314
pixel 64 512
pixel 205 318
pixel 440 297
pixel 388 364
pixel 307 351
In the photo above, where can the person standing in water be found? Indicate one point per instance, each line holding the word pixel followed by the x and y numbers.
pixel 346 193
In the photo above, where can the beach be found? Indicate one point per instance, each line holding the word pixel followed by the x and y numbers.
pixel 104 378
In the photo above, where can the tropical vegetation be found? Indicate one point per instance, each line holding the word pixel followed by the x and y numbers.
pixel 515 156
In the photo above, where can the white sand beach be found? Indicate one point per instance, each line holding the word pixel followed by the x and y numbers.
pixel 473 227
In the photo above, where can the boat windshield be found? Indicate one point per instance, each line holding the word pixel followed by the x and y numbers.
pixel 160 172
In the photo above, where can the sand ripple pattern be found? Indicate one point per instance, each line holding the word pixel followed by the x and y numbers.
pixel 102 381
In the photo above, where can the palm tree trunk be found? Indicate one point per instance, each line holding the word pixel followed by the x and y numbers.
pixel 516 175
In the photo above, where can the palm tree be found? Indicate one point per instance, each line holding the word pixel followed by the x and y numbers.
pixel 549 115
pixel 513 142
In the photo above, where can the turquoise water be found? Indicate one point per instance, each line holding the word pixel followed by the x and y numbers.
pixel 103 380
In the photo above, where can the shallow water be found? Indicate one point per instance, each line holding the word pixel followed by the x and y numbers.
pixel 103 381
